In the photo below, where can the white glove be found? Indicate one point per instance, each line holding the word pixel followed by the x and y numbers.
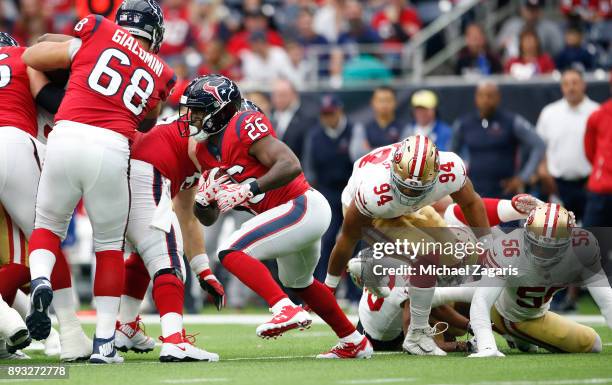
pixel 489 352
pixel 232 195
pixel 209 185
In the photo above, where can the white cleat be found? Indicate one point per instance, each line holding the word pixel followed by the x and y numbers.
pixel 487 353
pixel 12 329
pixel 52 344
pixel 420 342
pixel 344 350
pixel 5 355
pixel 131 336
pixel 179 348
pixel 524 203
pixel 288 318
pixel 76 346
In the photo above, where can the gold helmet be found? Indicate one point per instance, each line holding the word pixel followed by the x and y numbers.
pixel 548 232
pixel 414 169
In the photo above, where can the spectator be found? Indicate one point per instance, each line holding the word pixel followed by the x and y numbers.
pixel 218 61
pixel 397 22
pixel 476 58
pixel 574 54
pixel 207 16
pixel 304 31
pixel 382 129
pixel 562 125
pixel 179 33
pixel 303 69
pixel 589 11
pixel 265 63
pixel 424 110
pixel 598 147
pixel 328 167
pixel 328 19
pixel 548 32
pixel 358 31
pixel 254 20
pixel 290 118
pixel 531 60
pixel 363 69
pixel 262 100
pixel 491 138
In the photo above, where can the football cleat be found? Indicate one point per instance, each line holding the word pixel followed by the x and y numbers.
pixel 52 344
pixel 420 342
pixel 288 318
pixel 363 349
pixel 5 355
pixel 524 203
pixel 131 336
pixel 104 352
pixel 12 329
pixel 76 346
pixel 487 353
pixel 38 321
pixel 179 348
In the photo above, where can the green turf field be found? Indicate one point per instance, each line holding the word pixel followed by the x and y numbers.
pixel 246 359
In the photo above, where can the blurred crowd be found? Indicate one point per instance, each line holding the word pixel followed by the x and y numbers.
pixel 341 42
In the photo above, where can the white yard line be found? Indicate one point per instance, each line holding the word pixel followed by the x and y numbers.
pixel 256 319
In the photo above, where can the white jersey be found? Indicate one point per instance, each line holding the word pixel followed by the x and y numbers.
pixel 527 294
pixel 381 318
pixel 370 184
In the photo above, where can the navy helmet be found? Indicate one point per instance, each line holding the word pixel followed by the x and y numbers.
pixel 142 18
pixel 249 105
pixel 210 100
pixel 7 40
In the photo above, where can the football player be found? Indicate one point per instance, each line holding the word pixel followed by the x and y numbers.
pixel 392 188
pixel 13 331
pixel 549 254
pixel 382 319
pixel 163 177
pixel 117 82
pixel 290 216
pixel 21 157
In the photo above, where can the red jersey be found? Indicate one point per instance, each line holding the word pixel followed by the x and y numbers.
pixel 233 156
pixel 113 83
pixel 18 107
pixel 165 149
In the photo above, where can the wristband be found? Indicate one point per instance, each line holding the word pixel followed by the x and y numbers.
pixel 332 280
pixel 199 263
pixel 255 188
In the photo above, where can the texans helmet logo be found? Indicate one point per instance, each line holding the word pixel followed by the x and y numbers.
pixel 213 90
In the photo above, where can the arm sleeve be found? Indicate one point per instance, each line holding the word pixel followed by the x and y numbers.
pixel 602 294
pixel 524 132
pixel 480 311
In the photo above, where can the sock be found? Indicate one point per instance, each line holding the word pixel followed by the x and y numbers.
pixel 420 306
pixel 171 323
pixel 65 310
pixel 60 276
pixel 324 304
pixel 129 309
pixel 492 208
pixel 21 303
pixel 507 213
pixel 106 314
pixel 169 294
pixel 42 244
pixel 136 277
pixel 108 286
pixel 254 275
pixel 12 277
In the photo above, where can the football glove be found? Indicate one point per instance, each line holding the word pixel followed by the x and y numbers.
pixel 232 195
pixel 209 185
pixel 210 284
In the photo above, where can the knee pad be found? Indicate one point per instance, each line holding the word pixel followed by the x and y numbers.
pixel 170 271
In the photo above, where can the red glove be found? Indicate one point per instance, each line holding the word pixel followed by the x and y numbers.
pixel 210 284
